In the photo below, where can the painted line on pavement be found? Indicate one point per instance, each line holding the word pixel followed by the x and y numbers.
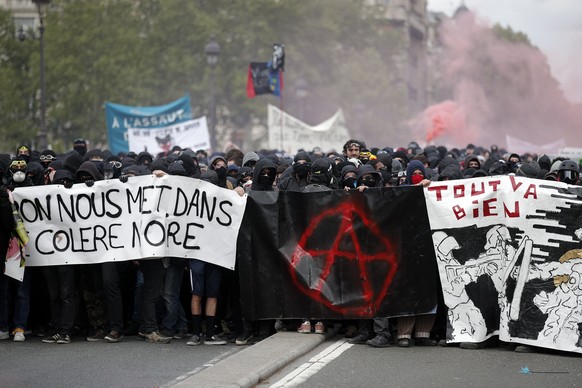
pixel 206 365
pixel 314 365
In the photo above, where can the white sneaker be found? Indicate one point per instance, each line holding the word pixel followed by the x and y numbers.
pixel 4 335
pixel 19 336
pixel 305 328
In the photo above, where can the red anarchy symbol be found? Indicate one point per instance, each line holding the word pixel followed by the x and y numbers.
pixel 370 299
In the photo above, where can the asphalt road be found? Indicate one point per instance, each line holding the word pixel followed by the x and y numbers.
pixel 364 366
pixel 130 363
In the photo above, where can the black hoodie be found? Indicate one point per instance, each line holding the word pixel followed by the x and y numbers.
pixel 367 169
pixel 89 168
pixel 72 162
pixel 263 163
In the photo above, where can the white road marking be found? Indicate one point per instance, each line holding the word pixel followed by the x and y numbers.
pixel 209 364
pixel 314 365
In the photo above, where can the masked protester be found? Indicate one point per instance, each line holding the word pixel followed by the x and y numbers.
pixel 112 169
pixel 218 165
pixel 298 178
pixel 46 158
pixel 264 174
pixel 421 324
pixel 368 177
pixel 321 176
pixel 80 145
pixel 14 295
pixel 23 152
pixel 569 172
pixel 415 174
pixel 18 174
pixel 61 280
pixel 349 177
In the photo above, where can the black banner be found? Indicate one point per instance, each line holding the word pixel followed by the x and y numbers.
pixel 336 254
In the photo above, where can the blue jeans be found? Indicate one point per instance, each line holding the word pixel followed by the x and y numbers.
pixel 138 296
pixel 14 295
pixel 174 317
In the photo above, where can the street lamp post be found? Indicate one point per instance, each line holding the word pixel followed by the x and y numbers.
pixel 212 51
pixel 42 132
pixel 42 135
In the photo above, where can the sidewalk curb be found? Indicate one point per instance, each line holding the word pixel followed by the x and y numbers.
pixel 257 362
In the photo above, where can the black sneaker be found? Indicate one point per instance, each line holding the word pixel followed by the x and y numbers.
pixel 113 337
pixel 360 339
pixel 99 335
pixel 425 342
pixel 64 339
pixel 214 341
pixel 194 340
pixel 51 338
pixel 244 338
pixel 404 342
pixel 181 333
pixel 379 341
pixel 166 333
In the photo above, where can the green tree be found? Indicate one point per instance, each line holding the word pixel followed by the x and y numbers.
pixel 18 102
pixel 151 52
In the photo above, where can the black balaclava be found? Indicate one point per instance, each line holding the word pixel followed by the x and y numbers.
pixel 80 145
pixel 301 170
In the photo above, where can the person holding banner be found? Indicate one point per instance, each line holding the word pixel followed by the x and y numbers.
pixel 421 323
pixel 297 180
pixel 12 292
pixel 61 284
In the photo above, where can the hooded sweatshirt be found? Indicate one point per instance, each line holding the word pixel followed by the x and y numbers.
pixel 412 167
pixel 367 169
pixel 262 164
pixel 89 168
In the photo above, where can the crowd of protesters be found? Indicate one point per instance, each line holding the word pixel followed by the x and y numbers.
pixel 162 299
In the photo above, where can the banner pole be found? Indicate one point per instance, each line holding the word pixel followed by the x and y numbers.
pixel 282 121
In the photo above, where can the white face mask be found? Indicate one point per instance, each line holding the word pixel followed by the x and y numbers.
pixel 19 177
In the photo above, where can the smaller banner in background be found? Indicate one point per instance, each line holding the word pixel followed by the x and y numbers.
pixel 191 134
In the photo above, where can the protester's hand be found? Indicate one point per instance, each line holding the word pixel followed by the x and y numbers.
pixel 159 173
pixel 240 191
pixel 424 183
pixel 361 189
pixel 10 196
pixel 68 184
pixel 89 183
pixel 124 178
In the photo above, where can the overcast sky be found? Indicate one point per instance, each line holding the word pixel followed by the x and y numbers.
pixel 555 26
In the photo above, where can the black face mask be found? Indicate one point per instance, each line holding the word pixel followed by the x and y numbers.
pixel 301 170
pixel 350 182
pixel 369 182
pixel 221 172
pixel 265 180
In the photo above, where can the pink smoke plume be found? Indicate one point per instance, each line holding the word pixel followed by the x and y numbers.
pixel 498 88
